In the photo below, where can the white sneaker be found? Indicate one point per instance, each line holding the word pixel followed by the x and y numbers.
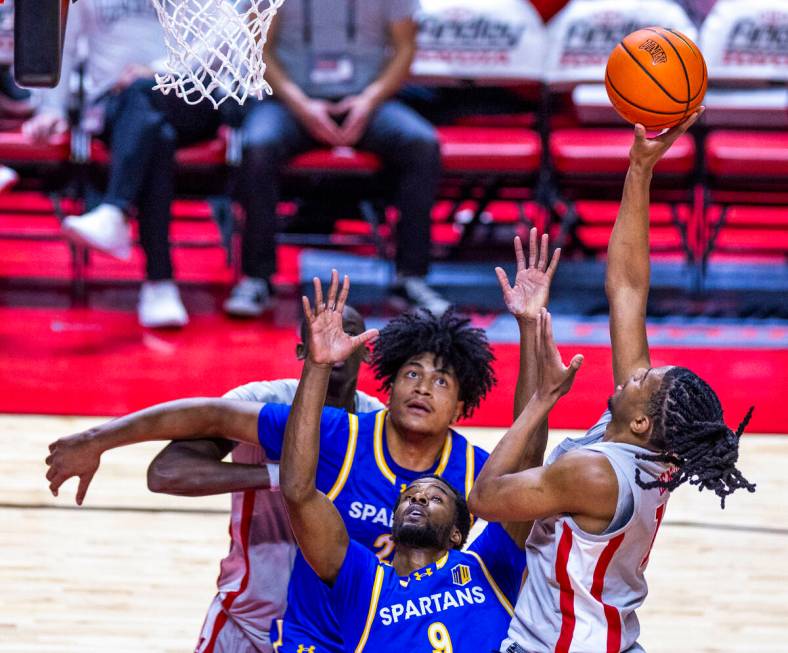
pixel 249 298
pixel 8 178
pixel 103 228
pixel 416 292
pixel 160 305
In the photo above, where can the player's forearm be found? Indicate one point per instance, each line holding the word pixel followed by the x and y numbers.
pixel 301 447
pixel 174 420
pixel 525 389
pixel 628 250
pixel 523 441
pixel 196 476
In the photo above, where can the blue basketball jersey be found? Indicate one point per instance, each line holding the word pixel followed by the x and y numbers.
pixel 462 603
pixel 356 471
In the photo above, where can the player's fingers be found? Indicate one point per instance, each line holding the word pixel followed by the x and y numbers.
pixel 51 473
pixel 519 255
pixel 343 294
pixel 548 331
pixel 48 459
pixel 307 308
pixel 55 483
pixel 543 252
pixel 84 483
pixel 318 295
pixel 554 263
pixel 333 286
pixel 640 133
pixel 574 366
pixel 502 279
pixel 673 133
pixel 52 446
pixel 532 248
pixel 369 334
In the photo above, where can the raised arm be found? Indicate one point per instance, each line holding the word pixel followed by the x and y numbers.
pixel 524 300
pixel 502 491
pixel 185 419
pixel 628 266
pixel 316 523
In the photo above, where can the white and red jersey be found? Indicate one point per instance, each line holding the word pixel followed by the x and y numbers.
pixel 255 573
pixel 582 589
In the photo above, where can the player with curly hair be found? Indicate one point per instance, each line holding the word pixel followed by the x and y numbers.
pixel 436 370
pixel 598 501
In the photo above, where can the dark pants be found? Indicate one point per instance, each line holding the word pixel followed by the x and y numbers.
pixel 143 128
pixel 406 143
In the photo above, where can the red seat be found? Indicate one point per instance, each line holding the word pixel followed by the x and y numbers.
pixel 16 147
pixel 205 153
pixel 498 120
pixel 338 159
pixel 606 152
pixel 747 154
pixel 490 149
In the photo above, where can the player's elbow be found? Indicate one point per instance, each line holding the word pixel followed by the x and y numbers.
pixel 167 476
pixel 481 501
pixel 621 283
pixel 295 491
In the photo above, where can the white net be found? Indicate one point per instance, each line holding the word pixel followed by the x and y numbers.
pixel 215 48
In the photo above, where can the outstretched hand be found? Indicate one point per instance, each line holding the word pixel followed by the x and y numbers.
pixel 554 378
pixel 74 455
pixel 531 290
pixel 645 152
pixel 328 342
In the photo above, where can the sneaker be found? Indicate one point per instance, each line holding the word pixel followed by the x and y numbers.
pixel 417 293
pixel 8 178
pixel 103 228
pixel 249 298
pixel 160 305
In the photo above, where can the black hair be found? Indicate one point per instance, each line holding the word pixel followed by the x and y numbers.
pixel 688 426
pixel 450 338
pixel 462 516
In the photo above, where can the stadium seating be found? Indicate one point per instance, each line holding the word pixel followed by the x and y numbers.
pixel 745 149
pixel 721 191
pixel 588 144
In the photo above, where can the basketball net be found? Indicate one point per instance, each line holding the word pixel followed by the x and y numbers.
pixel 215 48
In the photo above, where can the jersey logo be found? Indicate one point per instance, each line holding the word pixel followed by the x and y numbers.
pixel 305 649
pixel 419 576
pixel 461 574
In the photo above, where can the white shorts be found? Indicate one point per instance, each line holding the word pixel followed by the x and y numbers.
pixel 222 634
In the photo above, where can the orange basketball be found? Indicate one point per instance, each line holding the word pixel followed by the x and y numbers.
pixel 656 77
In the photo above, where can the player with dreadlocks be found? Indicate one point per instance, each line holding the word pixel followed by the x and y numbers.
pixel 436 369
pixel 598 500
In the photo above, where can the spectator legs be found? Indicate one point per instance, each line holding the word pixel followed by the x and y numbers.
pixel 271 136
pixel 144 128
pixel 409 146
pixel 153 206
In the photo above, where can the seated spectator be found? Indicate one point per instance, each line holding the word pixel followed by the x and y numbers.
pixel 142 127
pixel 334 66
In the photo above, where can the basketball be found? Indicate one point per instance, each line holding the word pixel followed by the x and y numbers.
pixel 655 76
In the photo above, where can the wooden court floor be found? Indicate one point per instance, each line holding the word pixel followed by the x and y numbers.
pixel 134 572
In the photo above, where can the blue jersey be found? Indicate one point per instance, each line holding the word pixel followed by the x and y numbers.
pixel 356 471
pixel 461 603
